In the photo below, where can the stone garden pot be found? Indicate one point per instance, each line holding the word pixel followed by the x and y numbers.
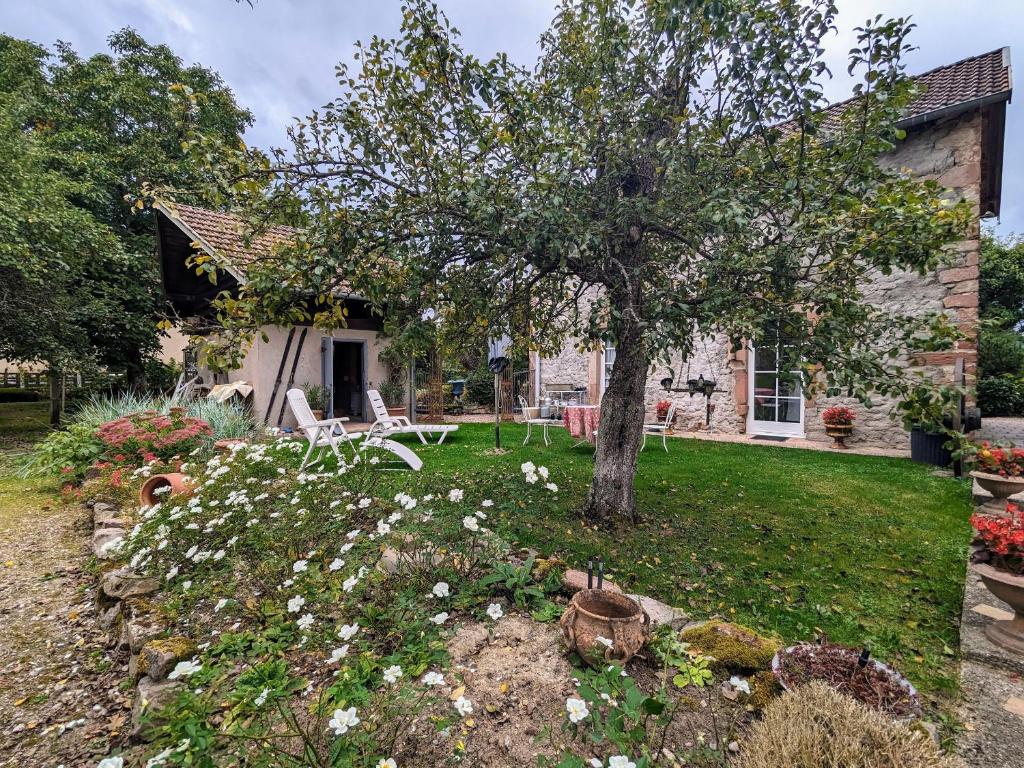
pixel 1007 633
pixel 178 482
pixel 839 433
pixel 604 626
pixel 1000 487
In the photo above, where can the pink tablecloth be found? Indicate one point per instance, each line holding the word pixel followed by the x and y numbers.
pixel 582 421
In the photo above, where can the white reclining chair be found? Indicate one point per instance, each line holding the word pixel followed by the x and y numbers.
pixel 531 417
pixel 387 424
pixel 660 428
pixel 331 433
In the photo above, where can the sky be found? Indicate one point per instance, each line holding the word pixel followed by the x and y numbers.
pixel 279 55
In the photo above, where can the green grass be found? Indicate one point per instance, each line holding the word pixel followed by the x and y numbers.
pixel 21 424
pixel 867 550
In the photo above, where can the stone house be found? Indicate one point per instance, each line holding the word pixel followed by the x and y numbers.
pixel 344 363
pixel 954 134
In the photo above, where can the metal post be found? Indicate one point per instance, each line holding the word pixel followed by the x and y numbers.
pixel 497 411
pixel 412 389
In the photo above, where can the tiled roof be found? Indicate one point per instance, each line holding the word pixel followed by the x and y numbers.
pixel 226 234
pixel 975 80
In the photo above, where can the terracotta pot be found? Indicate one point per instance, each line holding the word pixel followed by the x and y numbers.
pixel 999 486
pixel 176 481
pixel 396 410
pixel 599 613
pixel 1006 633
pixel 839 433
pixel 317 414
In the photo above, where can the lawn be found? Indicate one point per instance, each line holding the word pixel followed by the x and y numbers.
pixel 869 551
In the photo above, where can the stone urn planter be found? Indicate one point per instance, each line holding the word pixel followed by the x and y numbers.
pixel 604 626
pixel 1007 633
pixel 839 433
pixel 1000 487
pixel 151 495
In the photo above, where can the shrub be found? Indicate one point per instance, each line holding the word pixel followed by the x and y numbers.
pixel 1001 396
pixel 815 726
pixel 734 648
pixel 67 452
pixel 151 434
pixel 19 395
pixel 1000 352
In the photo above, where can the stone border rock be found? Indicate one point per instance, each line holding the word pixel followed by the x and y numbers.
pixel 125 615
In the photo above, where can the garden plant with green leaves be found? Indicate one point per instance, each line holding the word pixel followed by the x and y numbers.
pixel 666 171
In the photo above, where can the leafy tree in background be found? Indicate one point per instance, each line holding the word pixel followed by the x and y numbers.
pixel 77 137
pixel 1001 310
pixel 663 173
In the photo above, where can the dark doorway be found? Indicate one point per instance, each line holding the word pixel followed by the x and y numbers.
pixel 348 379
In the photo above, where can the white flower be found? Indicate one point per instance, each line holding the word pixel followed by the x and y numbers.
pixel 296 603
pixel 220 604
pixel 349 584
pixel 470 523
pixel 433 678
pixel 383 528
pixel 527 467
pixel 343 720
pixel 299 566
pixel 365 502
pixel 481 515
pixel 530 478
pixel 463 706
pixel 740 684
pixel 111 762
pixel 620 761
pixel 260 700
pixel 184 669
pixel 440 618
pixel 441 589
pixel 551 487
pixel 386 763
pixel 338 654
pixel 486 503
pixel 172 572
pixel 595 762
pixel 605 641
pixel 305 621
pixel 186 585
pixel 455 494
pixel 577 709
pixel 348 631
pixel 543 472
pixel 494 611
pixel 219 554
pixel 336 564
pixel 392 673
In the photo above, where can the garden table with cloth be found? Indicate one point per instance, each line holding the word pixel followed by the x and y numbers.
pixel 582 421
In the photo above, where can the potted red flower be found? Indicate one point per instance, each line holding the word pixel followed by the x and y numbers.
pixel 1000 471
pixel 661 409
pixel 838 423
pixel 998 558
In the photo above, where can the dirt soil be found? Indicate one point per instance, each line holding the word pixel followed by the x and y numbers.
pixel 59 698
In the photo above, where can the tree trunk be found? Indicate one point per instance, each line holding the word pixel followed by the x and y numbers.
pixel 56 381
pixel 620 431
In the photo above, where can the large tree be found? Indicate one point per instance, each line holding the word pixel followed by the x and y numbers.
pixel 668 170
pixel 78 139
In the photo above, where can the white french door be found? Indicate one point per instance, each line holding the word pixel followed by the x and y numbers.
pixel 775 396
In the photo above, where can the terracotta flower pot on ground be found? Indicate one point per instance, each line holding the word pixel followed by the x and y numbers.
pixel 1007 633
pixel 604 626
pixel 839 433
pixel 177 482
pixel 999 486
pixel 396 410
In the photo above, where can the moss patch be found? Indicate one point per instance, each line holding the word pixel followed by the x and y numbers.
pixel 736 649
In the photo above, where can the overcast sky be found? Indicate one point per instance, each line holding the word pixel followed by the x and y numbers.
pixel 279 55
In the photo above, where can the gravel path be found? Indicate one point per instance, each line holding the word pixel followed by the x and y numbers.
pixel 59 700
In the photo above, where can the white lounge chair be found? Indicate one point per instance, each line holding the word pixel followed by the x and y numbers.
pixel 331 433
pixel 531 417
pixel 387 424
pixel 660 428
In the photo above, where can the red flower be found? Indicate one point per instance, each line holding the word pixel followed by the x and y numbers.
pixel 837 415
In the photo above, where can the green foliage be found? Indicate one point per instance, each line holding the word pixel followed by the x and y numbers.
pixel 515 581
pixel 1002 280
pixel 78 137
pixel 1000 352
pixel 1001 396
pixel 67 452
pixel 19 395
pixel 316 396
